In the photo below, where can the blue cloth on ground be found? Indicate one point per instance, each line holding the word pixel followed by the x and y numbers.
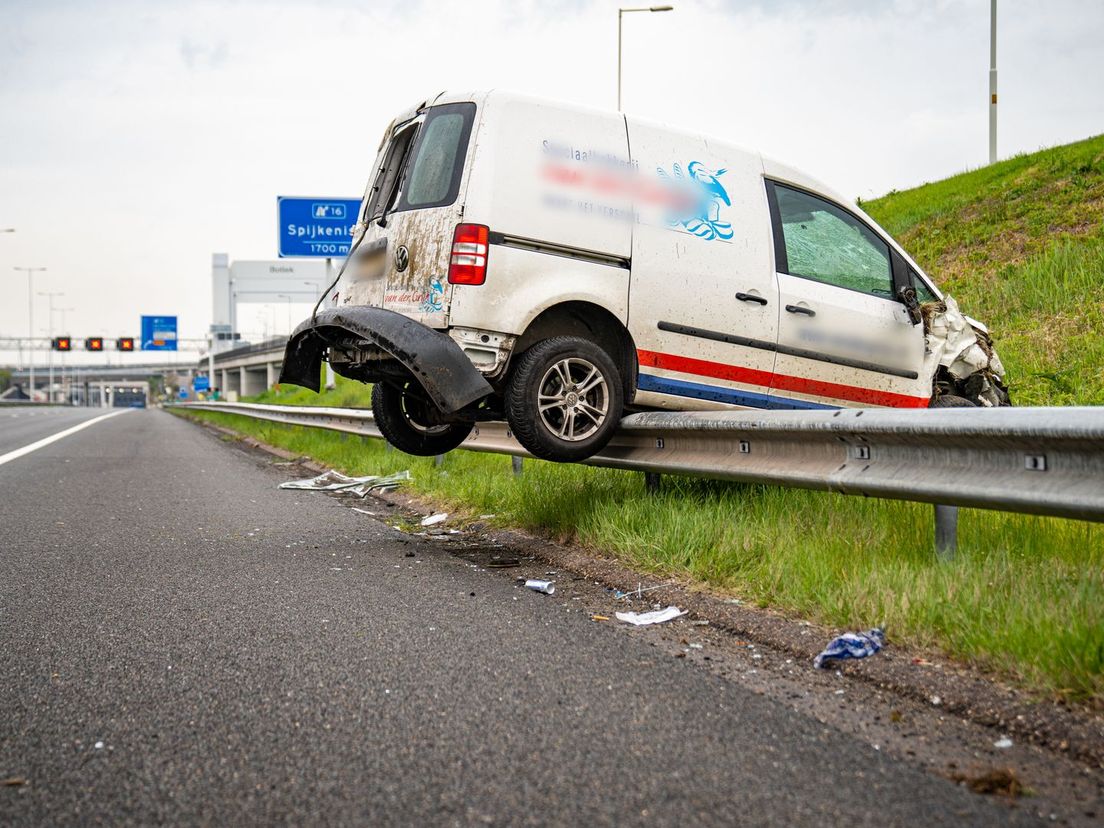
pixel 851 645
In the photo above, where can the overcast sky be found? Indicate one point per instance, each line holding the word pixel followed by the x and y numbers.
pixel 140 137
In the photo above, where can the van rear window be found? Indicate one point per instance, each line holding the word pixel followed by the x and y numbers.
pixel 433 177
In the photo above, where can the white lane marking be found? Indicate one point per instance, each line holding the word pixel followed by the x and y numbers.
pixel 53 438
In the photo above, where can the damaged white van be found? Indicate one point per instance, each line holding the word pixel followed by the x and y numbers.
pixel 556 266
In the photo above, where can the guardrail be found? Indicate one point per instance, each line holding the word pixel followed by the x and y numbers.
pixel 1045 461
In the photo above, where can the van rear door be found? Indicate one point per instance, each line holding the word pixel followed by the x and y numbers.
pixel 411 209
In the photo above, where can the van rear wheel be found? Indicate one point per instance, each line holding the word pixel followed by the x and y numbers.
pixel 564 399
pixel 403 416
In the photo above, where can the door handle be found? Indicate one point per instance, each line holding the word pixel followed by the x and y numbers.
pixel 799 309
pixel 751 297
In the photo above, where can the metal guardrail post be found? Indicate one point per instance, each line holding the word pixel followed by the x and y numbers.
pixel 946 531
pixel 438 460
pixel 515 462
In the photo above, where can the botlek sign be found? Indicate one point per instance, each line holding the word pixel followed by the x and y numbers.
pixel 315 227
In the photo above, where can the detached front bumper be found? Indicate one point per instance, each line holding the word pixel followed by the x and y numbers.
pixel 432 358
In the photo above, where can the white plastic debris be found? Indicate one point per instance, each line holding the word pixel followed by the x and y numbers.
pixel 433 520
pixel 335 481
pixel 537 585
pixel 936 701
pixel 98 746
pixel 1003 743
pixel 643 619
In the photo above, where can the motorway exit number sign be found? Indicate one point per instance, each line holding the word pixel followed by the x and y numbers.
pixel 316 227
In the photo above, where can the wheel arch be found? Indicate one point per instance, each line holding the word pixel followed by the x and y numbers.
pixel 587 321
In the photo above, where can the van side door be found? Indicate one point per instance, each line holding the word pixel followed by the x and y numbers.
pixel 844 339
pixel 703 301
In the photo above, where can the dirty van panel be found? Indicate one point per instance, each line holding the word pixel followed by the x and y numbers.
pixel 411 210
pixel 704 301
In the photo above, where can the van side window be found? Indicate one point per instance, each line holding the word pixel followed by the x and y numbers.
pixel 822 241
pixel 433 179
pixel 381 197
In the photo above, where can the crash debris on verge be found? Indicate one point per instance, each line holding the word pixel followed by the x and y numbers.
pixel 335 481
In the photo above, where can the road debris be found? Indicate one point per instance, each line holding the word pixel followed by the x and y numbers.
pixel 433 520
pixel 537 585
pixel 1003 743
pixel 14 781
pixel 597 617
pixel 639 591
pixel 996 781
pixel 850 645
pixel 335 481
pixel 643 619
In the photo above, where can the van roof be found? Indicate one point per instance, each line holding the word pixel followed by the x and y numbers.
pixel 771 167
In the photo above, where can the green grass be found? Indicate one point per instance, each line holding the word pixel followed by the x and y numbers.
pixel 1020 244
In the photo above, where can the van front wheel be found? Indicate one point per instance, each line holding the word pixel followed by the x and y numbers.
pixel 404 418
pixel 564 399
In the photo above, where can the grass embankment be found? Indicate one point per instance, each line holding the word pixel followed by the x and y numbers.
pixel 1020 244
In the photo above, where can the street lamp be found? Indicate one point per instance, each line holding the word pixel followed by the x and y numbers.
pixel 285 296
pixel 30 271
pixel 620 14
pixel 50 334
pixel 993 81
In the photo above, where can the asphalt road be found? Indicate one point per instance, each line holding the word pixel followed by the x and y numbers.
pixel 21 425
pixel 184 643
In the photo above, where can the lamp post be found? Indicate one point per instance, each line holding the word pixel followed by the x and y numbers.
pixel 621 13
pixel 50 334
pixel 30 271
pixel 285 296
pixel 993 81
pixel 61 380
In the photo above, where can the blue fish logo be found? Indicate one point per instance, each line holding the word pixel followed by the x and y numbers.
pixel 433 302
pixel 703 218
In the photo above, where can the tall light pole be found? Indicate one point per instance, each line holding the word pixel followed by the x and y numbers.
pixel 621 13
pixel 50 335
pixel 61 357
pixel 285 296
pixel 992 81
pixel 30 271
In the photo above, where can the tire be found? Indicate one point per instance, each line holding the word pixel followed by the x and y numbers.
pixel 402 417
pixel 572 425
pixel 951 401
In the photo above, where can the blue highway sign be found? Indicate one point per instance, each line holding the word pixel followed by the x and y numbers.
pixel 316 227
pixel 201 383
pixel 158 333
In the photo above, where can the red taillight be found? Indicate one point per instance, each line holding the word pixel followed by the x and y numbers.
pixel 468 264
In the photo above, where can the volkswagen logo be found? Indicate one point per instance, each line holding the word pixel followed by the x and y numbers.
pixel 402 258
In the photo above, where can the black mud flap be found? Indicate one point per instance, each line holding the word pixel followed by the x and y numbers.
pixel 436 362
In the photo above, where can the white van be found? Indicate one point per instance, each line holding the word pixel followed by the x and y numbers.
pixel 555 266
